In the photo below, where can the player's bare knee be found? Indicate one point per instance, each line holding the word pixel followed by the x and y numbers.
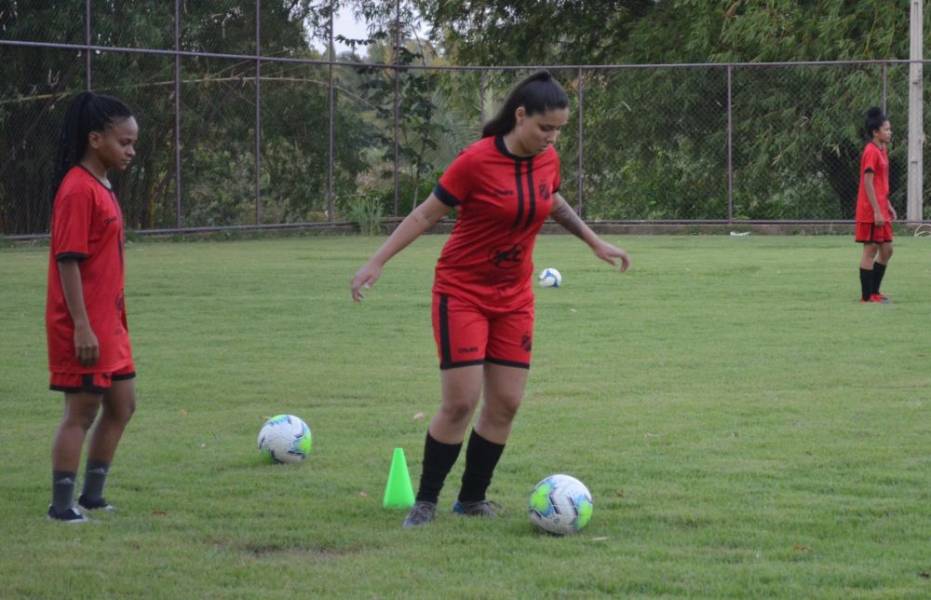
pixel 121 413
pixel 83 418
pixel 503 409
pixel 457 410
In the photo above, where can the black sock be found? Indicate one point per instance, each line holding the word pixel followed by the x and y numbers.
pixel 438 459
pixel 62 490
pixel 866 282
pixel 95 475
pixel 481 459
pixel 879 270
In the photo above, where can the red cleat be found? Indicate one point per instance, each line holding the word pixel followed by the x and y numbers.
pixel 876 299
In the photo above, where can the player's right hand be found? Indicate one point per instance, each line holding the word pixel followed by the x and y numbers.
pixel 879 221
pixel 364 279
pixel 86 347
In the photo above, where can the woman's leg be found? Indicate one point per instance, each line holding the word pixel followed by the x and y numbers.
pixel 462 388
pixel 867 258
pixel 80 411
pixel 504 390
pixel 119 404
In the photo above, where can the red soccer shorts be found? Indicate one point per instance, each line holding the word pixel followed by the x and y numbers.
pixel 869 233
pixel 89 383
pixel 469 334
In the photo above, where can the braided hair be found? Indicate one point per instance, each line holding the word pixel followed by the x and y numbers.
pixel 87 112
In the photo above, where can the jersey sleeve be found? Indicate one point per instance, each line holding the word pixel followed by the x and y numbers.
pixel 455 184
pixel 71 224
pixel 871 160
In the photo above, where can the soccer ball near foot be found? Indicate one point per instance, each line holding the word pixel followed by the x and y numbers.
pixel 560 505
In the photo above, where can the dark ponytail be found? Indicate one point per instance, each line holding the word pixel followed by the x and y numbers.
pixel 874 121
pixel 537 94
pixel 87 112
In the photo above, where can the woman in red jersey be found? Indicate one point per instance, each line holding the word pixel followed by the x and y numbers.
pixel 504 187
pixel 90 358
pixel 874 211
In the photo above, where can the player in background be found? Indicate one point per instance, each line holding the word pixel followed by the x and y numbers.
pixel 504 187
pixel 875 214
pixel 90 357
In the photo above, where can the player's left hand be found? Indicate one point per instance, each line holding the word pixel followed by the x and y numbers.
pixel 611 253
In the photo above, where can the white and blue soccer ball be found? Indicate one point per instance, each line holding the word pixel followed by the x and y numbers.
pixel 561 505
pixel 285 439
pixel 550 277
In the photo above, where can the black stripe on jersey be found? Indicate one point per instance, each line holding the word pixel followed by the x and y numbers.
pixel 444 196
pixel 520 195
pixel 531 213
pixel 445 346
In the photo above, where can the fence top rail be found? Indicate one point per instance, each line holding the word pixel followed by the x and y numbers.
pixel 402 67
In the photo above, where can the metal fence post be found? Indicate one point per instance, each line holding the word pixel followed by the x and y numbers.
pixel 885 87
pixel 730 143
pixel 482 85
pixel 178 113
pixel 87 41
pixel 581 164
pixel 332 116
pixel 397 106
pixel 258 112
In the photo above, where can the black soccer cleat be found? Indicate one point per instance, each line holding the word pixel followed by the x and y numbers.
pixel 70 515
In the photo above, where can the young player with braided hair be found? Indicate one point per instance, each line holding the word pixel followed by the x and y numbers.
pixel 90 357
pixel 504 187
pixel 875 213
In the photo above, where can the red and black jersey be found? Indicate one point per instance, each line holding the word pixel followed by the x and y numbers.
pixel 874 160
pixel 87 226
pixel 502 200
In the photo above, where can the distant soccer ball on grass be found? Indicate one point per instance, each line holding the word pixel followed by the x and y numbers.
pixel 550 277
pixel 285 439
pixel 561 505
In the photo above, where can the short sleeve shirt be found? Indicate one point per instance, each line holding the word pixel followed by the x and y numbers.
pixel 87 226
pixel 502 201
pixel 874 160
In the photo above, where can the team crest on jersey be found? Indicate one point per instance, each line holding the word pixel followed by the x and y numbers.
pixel 543 191
pixel 507 257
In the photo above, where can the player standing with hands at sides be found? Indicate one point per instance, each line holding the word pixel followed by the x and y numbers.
pixel 874 211
pixel 504 187
pixel 90 357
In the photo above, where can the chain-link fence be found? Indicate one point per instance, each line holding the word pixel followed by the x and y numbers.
pixel 292 133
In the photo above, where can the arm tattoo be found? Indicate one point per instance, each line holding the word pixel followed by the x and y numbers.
pixel 565 216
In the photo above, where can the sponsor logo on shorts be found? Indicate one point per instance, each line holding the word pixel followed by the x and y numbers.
pixel 526 342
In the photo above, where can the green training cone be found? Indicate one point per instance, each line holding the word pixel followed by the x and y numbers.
pixel 399 493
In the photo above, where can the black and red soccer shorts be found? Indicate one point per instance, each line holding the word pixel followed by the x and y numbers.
pixel 468 333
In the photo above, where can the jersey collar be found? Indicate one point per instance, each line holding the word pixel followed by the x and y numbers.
pixel 503 149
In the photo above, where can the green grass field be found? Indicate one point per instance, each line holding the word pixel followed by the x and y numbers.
pixel 747 428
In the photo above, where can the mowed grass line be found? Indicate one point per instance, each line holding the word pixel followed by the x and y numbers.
pixel 747 428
